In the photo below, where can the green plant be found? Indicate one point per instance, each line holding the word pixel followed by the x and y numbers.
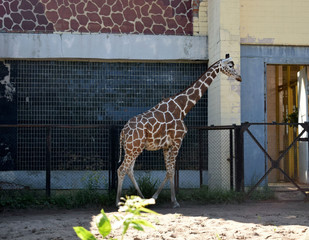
pixel 147 185
pixel 263 193
pixel 133 206
pixel 206 195
pixel 21 198
pixel 92 180
pixel 292 117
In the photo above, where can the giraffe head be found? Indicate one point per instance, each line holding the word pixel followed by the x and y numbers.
pixel 227 67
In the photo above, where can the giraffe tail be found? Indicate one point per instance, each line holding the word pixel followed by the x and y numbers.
pixel 120 146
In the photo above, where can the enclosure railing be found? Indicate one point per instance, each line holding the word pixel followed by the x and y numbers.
pixel 237 140
pixel 50 135
pixel 276 163
pixel 48 141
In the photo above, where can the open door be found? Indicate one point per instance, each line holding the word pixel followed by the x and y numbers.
pixel 302 86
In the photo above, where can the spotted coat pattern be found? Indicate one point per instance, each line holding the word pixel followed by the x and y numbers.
pixel 162 127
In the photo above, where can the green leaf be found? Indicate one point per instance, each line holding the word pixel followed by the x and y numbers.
pixel 125 227
pixel 143 222
pixel 137 226
pixel 117 218
pixel 104 224
pixel 83 234
pixel 146 210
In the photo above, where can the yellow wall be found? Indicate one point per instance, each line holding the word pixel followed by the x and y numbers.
pixel 274 22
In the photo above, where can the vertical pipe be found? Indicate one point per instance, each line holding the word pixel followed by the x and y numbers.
pixel 231 161
pixel 113 158
pixel 200 135
pixel 47 160
pixel 290 129
pixel 239 158
pixel 277 118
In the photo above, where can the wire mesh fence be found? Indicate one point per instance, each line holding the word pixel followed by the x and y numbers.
pixel 67 157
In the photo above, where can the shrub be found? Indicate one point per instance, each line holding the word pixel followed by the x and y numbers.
pixel 133 207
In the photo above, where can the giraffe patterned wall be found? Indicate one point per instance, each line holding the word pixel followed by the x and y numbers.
pixel 168 17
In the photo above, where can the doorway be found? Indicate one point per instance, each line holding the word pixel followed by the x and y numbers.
pixel 282 105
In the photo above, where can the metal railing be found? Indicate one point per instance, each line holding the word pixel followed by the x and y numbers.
pixel 235 143
pixel 46 158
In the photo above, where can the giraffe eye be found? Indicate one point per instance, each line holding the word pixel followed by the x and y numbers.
pixel 231 64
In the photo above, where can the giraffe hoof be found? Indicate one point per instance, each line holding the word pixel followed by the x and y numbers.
pixel 154 197
pixel 176 205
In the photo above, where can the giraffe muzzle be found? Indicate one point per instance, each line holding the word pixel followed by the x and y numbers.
pixel 238 78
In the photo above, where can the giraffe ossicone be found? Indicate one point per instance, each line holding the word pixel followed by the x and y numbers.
pixel 162 127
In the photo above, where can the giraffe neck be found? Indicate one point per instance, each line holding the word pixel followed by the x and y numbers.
pixel 187 99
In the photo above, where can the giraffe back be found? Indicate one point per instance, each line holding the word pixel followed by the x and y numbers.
pixel 160 127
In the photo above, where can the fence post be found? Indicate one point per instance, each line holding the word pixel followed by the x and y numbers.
pixel 47 160
pixel 239 158
pixel 231 160
pixel 200 143
pixel 113 158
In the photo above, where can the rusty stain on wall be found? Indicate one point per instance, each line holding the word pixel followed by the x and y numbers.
pixel 253 40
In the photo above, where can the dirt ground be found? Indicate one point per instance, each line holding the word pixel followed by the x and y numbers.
pixel 250 220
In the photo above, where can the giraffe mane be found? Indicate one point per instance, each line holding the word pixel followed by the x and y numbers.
pixel 183 91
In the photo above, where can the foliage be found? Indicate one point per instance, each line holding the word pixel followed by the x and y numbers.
pixel 206 195
pixel 263 193
pixel 133 207
pixel 92 180
pixel 147 185
pixel 21 198
pixel 92 197
pixel 292 117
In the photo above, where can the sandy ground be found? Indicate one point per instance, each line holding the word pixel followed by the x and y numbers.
pixel 251 220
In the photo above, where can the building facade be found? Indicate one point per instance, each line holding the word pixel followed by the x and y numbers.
pixel 144 42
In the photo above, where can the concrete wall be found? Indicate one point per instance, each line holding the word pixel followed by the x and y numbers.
pixel 275 22
pixel 224 93
pixel 82 179
pixel 102 46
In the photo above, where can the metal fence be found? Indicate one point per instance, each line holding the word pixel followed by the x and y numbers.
pixel 279 150
pixel 69 156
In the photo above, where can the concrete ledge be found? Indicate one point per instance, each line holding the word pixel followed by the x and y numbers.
pixel 82 179
pixel 102 46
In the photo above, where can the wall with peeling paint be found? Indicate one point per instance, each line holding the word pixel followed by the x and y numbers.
pixel 275 22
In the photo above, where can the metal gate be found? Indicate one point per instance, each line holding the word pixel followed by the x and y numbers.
pixel 275 162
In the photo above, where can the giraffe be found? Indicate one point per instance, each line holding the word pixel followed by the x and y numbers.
pixel 162 127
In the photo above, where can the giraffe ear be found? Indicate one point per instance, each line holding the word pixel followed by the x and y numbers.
pixel 227 60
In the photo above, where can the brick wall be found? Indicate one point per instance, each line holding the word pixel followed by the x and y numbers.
pixel 169 17
pixel 200 18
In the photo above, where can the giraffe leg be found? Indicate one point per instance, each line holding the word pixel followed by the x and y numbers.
pixel 170 161
pixel 127 168
pixel 121 174
pixel 170 158
pixel 155 196
pixel 131 176
pixel 173 193
pixel 166 156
